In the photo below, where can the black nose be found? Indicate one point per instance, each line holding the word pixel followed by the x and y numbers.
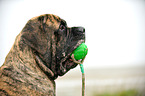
pixel 78 29
pixel 81 29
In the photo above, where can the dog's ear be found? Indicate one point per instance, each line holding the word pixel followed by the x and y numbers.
pixel 34 36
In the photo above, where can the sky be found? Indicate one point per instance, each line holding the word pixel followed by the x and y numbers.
pixel 115 29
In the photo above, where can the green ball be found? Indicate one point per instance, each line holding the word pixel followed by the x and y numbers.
pixel 80 52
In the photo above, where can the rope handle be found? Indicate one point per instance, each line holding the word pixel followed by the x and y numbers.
pixel 80 62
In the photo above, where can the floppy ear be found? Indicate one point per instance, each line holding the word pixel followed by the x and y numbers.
pixel 34 36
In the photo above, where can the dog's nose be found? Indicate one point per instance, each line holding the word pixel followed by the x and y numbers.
pixel 78 29
pixel 81 29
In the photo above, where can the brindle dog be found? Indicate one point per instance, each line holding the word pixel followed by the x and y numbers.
pixel 41 53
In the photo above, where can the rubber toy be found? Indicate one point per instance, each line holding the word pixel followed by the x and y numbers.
pixel 80 52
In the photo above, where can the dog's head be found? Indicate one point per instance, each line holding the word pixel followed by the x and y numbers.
pixel 53 41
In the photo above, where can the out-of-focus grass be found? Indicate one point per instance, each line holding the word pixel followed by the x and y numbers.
pixel 122 93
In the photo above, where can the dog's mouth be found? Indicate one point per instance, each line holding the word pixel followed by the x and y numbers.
pixel 68 63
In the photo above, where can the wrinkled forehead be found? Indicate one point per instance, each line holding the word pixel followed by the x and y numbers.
pixel 50 19
pixel 53 20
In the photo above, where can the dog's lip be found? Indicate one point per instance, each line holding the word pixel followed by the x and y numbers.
pixel 68 59
pixel 64 69
pixel 69 54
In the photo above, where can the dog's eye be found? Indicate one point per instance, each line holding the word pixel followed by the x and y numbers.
pixel 62 27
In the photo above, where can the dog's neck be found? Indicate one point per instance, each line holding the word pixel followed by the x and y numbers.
pixel 23 69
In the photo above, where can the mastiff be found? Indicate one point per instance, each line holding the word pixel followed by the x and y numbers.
pixel 41 52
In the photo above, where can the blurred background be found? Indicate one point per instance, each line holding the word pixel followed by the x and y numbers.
pixel 115 36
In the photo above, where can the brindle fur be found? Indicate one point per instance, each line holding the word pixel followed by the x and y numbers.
pixel 41 53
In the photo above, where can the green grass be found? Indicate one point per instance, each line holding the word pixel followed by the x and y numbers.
pixel 122 93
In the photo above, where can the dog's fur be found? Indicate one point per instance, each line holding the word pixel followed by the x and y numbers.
pixel 41 53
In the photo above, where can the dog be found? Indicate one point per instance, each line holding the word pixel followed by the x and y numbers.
pixel 41 52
